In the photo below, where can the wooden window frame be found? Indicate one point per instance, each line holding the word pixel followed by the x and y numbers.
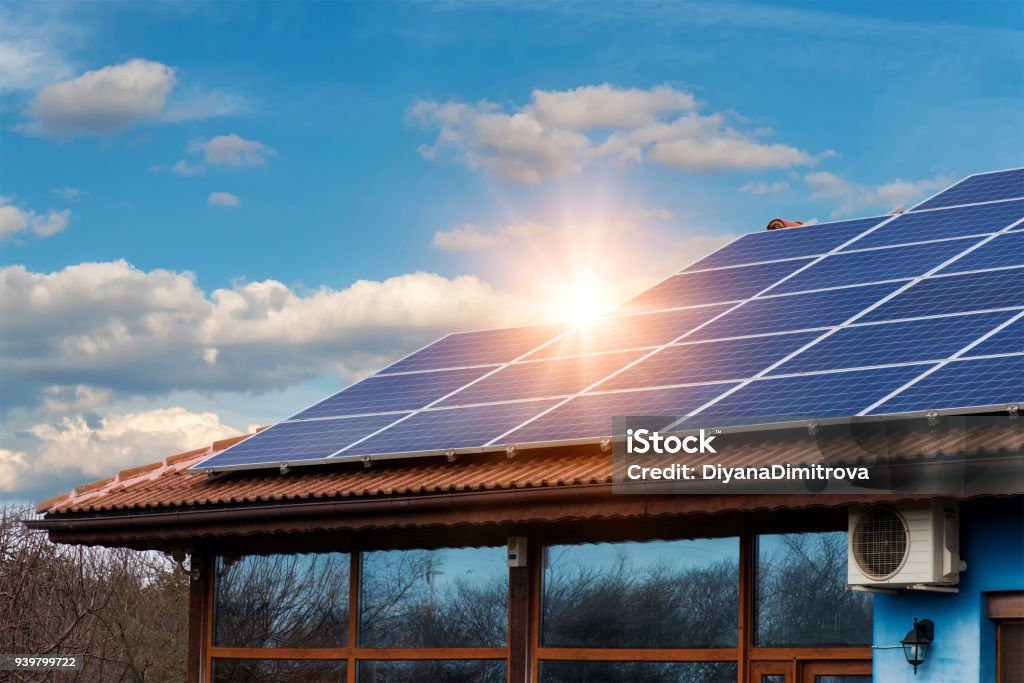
pixel 523 652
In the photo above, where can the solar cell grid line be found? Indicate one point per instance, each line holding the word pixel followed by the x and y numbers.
pixel 388 393
pixel 862 314
pixel 588 416
pixel 483 347
pixel 969 349
pixel 712 320
pixel 698 362
pixel 442 429
pixel 955 293
pixel 894 342
pixel 791 243
pixel 1010 339
pixel 1005 250
pixel 633 331
pixel 961 384
pixel 981 187
pixel 858 267
pixel 961 221
pixel 719 286
pixel 285 442
pixel 543 378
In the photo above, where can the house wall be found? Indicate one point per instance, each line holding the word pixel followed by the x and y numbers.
pixel 964 650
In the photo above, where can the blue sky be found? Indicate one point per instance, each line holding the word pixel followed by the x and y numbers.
pixel 214 213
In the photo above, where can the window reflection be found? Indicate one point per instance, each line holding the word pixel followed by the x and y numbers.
pixel 282 601
pixel 658 594
pixel 638 672
pixel 455 597
pixel 801 597
pixel 278 671
pixel 462 671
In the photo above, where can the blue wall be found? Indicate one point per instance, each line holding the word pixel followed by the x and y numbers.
pixel 964 651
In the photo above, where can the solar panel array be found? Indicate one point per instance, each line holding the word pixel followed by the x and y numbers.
pixel 899 314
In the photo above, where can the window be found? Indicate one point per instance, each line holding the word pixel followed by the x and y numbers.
pixel 1010 636
pixel 278 601
pixel 278 671
pixel 434 598
pixel 661 594
pixel 800 593
pixel 639 672
pixel 449 671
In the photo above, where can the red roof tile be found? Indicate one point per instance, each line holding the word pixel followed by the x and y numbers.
pixel 169 484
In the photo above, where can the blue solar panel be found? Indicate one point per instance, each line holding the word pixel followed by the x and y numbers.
pixel 963 384
pixel 954 294
pixel 811 240
pixel 980 188
pixel 794 312
pixel 730 284
pixel 440 430
pixel 1004 250
pixel 1010 339
pixel 935 225
pixel 487 347
pixel 708 361
pixel 902 342
pixel 290 442
pixel 834 394
pixel 383 393
pixel 858 267
pixel 558 377
pixel 590 415
pixel 629 332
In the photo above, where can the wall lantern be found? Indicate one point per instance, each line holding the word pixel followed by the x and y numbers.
pixel 917 641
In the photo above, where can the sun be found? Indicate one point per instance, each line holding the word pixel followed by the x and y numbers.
pixel 582 305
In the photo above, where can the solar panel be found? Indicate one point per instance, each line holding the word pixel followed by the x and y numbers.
pixel 985 187
pixel 934 225
pixel 811 240
pixel 897 342
pixel 714 286
pixel 858 267
pixel 887 315
pixel 1010 339
pixel 708 361
pixel 962 384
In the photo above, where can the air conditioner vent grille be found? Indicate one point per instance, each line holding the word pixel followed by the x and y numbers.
pixel 880 542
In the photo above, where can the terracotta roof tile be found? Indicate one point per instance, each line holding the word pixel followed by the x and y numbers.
pixel 168 483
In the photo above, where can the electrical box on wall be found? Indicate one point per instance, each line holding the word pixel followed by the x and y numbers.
pixel 517 551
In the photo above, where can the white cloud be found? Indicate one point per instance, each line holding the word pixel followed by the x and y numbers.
pixel 232 150
pixel 761 188
pixel 851 198
pixel 549 137
pixel 116 442
pixel 104 101
pixel 13 467
pixel 605 106
pixel 14 220
pixel 60 400
pixel 469 237
pixel 185 169
pixel 34 40
pixel 111 326
pixel 223 199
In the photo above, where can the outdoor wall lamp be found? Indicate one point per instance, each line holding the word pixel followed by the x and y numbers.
pixel 917 641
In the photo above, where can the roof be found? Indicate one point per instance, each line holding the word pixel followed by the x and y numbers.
pixel 167 484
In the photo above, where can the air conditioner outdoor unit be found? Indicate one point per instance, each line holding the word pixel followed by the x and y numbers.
pixel 904 546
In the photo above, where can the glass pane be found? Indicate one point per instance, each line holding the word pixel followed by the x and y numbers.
pixel 800 594
pixel 282 601
pixel 455 597
pixel 656 594
pixel 773 678
pixel 462 671
pixel 842 679
pixel 638 672
pixel 278 671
